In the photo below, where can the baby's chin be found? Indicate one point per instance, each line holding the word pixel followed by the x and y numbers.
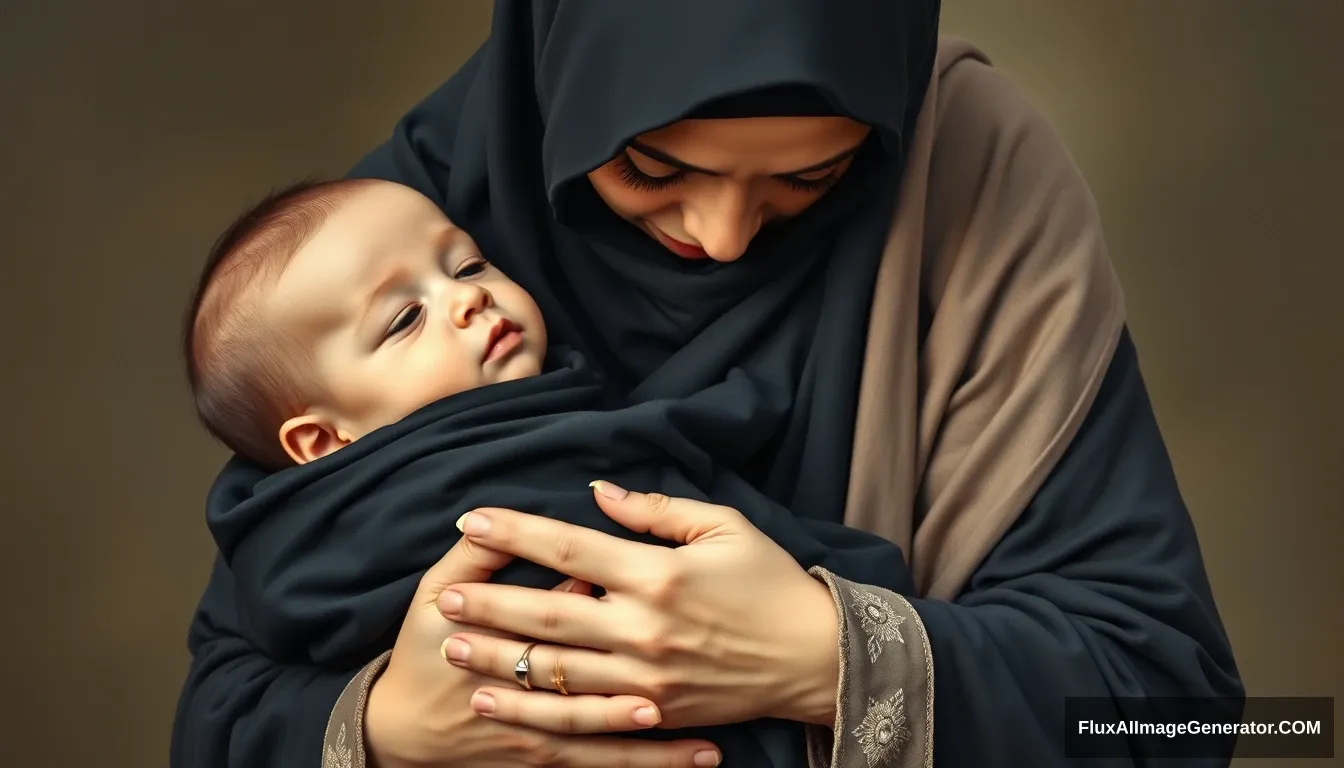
pixel 524 365
pixel 528 366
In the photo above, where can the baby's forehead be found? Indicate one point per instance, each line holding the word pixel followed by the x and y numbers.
pixel 318 291
pixel 381 231
pixel 330 278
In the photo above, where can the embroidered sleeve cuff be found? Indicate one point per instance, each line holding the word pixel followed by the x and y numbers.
pixel 884 706
pixel 343 746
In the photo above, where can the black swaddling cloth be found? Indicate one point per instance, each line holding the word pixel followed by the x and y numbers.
pixel 328 555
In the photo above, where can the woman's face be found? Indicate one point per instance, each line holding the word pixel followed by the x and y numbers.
pixel 703 188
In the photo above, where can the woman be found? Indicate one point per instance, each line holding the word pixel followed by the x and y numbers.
pixel 692 187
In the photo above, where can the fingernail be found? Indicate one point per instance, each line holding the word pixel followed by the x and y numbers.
pixel 706 759
pixel 568 586
pixel 473 524
pixel 610 490
pixel 450 603
pixel 485 704
pixel 455 650
pixel 647 716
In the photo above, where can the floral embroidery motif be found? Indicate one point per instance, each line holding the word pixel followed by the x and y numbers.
pixel 879 621
pixel 338 755
pixel 883 733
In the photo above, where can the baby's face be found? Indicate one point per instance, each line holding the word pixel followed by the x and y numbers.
pixel 399 309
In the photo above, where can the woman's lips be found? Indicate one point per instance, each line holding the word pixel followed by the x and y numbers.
pixel 684 250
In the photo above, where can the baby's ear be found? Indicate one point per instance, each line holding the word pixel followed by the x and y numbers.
pixel 310 437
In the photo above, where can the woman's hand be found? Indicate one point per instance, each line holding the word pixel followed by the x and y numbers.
pixel 726 628
pixel 419 711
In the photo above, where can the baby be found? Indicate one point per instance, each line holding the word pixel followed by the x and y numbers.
pixel 344 334
pixel 332 309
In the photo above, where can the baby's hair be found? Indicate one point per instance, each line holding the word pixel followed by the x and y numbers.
pixel 247 376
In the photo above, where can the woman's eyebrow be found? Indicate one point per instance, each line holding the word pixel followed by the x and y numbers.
pixel 828 162
pixel 667 159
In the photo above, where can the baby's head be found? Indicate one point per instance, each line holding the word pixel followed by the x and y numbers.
pixel 332 309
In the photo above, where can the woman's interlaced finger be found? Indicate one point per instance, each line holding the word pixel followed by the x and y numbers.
pixel 568 715
pixel 583 553
pixel 583 670
pixel 607 752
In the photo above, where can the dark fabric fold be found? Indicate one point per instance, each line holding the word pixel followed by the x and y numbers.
pixel 326 557
pixel 239 707
pixel 1098 590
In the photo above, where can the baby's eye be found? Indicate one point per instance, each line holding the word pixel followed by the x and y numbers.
pixel 471 269
pixel 405 320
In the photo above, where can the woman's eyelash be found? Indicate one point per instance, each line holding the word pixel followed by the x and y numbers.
pixel 810 185
pixel 637 179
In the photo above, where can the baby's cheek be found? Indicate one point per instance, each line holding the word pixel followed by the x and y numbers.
pixel 446 371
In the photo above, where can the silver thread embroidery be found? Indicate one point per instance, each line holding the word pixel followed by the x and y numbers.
pixel 879 622
pixel 338 755
pixel 883 733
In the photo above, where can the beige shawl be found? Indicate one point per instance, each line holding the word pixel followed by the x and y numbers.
pixel 960 422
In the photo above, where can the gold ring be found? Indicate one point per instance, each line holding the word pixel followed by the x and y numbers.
pixel 524 666
pixel 558 679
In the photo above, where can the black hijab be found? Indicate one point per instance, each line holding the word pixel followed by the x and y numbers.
pixel 562 85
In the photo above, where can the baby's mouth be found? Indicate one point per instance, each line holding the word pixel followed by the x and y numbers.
pixel 505 336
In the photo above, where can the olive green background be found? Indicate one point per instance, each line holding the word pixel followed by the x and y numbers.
pixel 132 131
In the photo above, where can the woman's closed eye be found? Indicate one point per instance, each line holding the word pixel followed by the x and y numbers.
pixel 816 181
pixel 633 177
pixel 644 182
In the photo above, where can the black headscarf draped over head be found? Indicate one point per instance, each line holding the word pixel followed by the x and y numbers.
pixel 559 89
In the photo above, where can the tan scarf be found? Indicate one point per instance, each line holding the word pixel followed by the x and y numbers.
pixel 1022 312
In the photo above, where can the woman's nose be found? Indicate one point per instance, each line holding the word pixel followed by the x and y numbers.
pixel 724 226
